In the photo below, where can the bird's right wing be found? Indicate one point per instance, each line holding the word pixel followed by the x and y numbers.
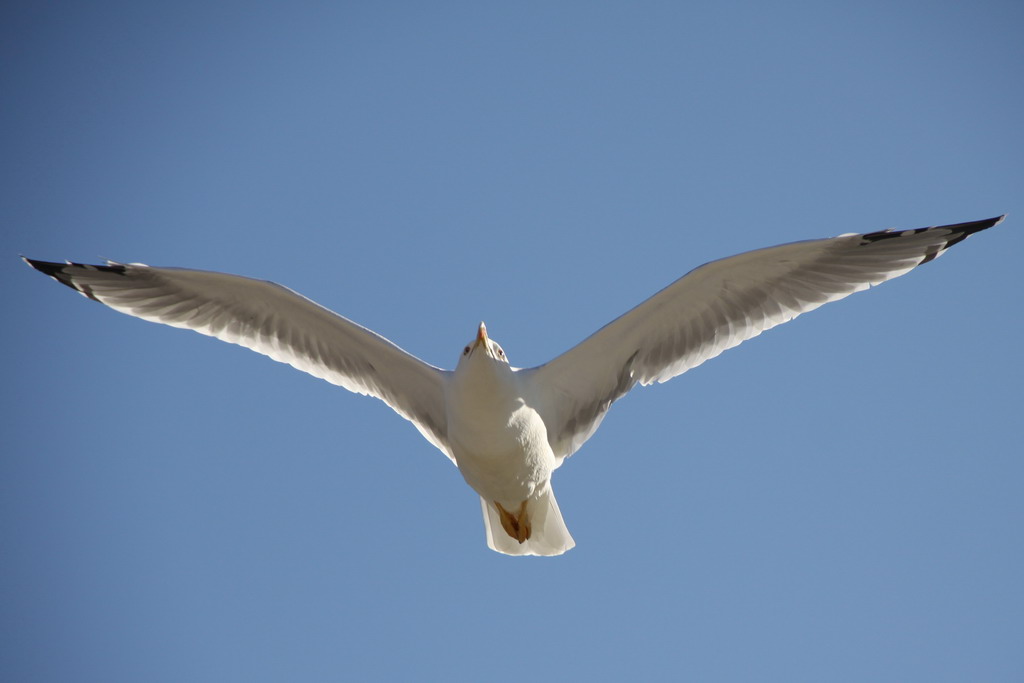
pixel 272 320
pixel 714 308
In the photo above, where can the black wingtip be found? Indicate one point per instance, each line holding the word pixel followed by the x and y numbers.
pixel 957 231
pixel 65 273
pixel 54 270
pixel 44 267
pixel 975 226
pixel 58 271
pixel 962 231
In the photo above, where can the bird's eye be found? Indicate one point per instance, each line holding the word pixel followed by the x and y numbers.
pixel 501 352
pixel 465 351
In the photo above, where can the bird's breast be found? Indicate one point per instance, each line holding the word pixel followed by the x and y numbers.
pixel 500 445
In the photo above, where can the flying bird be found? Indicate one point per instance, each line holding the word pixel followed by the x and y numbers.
pixel 508 429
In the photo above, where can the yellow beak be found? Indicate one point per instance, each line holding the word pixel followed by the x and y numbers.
pixel 481 336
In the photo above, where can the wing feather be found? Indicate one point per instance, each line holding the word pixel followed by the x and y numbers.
pixel 715 307
pixel 274 321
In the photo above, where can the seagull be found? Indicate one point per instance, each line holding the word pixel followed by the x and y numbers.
pixel 508 429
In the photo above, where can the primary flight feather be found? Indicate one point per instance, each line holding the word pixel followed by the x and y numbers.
pixel 507 429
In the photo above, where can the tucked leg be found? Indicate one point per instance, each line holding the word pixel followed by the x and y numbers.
pixel 515 525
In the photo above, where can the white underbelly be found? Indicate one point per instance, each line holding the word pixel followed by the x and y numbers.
pixel 508 459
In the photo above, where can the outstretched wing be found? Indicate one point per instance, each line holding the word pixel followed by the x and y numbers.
pixel 272 320
pixel 714 308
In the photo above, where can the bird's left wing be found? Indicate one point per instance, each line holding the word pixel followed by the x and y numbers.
pixel 714 308
pixel 272 320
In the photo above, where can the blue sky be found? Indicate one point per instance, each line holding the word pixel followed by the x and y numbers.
pixel 839 499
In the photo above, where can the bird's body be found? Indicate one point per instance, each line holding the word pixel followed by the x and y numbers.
pixel 507 429
pixel 499 441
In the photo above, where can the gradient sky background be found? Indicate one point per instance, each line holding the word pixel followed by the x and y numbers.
pixel 839 499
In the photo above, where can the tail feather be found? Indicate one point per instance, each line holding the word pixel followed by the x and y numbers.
pixel 548 535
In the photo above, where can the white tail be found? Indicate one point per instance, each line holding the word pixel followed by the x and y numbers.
pixel 548 535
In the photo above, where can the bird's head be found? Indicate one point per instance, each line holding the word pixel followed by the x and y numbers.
pixel 483 347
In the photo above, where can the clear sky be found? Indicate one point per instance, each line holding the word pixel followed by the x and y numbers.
pixel 841 499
